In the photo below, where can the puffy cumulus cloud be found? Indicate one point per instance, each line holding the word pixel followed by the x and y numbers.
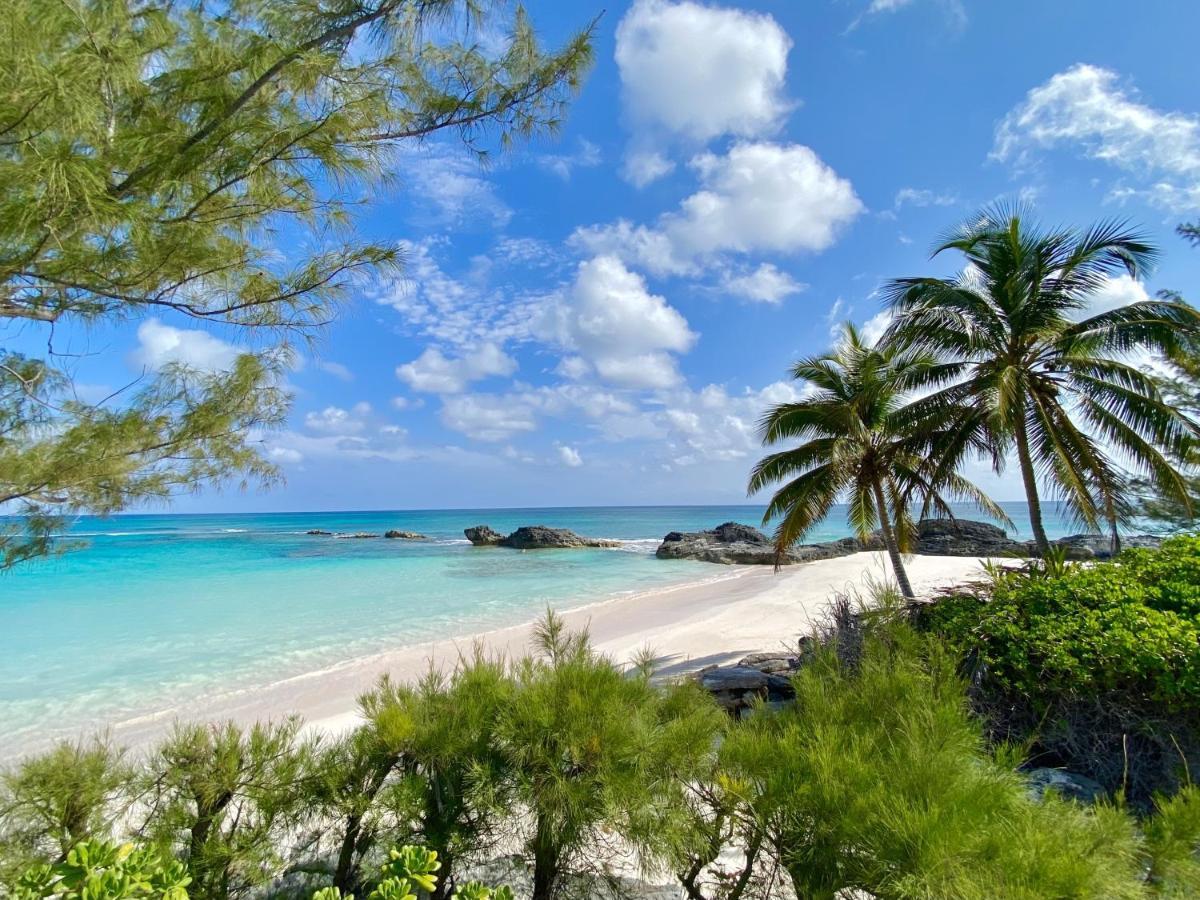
pixel 434 373
pixel 488 417
pixel 611 320
pixel 758 197
pixel 1115 292
pixel 160 344
pixel 712 425
pixel 338 421
pixel 872 329
pixel 702 71
pixel 497 417
pixel 1086 108
pixel 569 456
pixel 766 284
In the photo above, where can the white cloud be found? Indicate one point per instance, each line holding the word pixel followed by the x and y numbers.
pixel 711 425
pixel 611 320
pixel 1117 291
pixel 337 370
pixel 955 12
pixel 759 197
pixel 1085 108
pixel 702 71
pixel 563 164
pixel 285 455
pixel 569 456
pixel 450 186
pixel 488 417
pixel 160 345
pixel 908 196
pixel 434 373
pixel 335 420
pixel 643 166
pixel 466 311
pixel 405 403
pixel 766 284
pixel 872 329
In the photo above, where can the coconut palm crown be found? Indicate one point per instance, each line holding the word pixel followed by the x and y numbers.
pixel 858 440
pixel 1038 370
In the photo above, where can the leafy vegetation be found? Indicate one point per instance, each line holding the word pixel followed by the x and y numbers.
pixel 153 152
pixel 878 779
pixel 860 440
pixel 1036 371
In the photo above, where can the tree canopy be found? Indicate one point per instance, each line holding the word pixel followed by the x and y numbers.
pixel 153 157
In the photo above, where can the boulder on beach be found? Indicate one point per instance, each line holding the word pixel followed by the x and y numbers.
pixel 533 537
pixel 735 544
pixel 395 534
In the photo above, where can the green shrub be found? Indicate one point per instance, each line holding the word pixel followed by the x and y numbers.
pixel 95 870
pixel 52 802
pixel 594 752
pixel 1131 626
pixel 879 781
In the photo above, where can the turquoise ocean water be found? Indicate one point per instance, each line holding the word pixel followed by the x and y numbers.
pixel 158 610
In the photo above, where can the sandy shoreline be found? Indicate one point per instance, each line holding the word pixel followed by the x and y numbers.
pixel 738 610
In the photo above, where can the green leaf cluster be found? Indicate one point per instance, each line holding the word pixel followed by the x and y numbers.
pixel 1128 627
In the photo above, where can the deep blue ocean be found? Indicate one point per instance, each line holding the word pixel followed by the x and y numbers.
pixel 157 610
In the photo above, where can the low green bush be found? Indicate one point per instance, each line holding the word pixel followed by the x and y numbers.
pixel 1130 626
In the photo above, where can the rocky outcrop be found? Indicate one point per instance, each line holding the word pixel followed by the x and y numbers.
pixel 738 688
pixel 355 535
pixel 1066 784
pixel 736 544
pixel 395 534
pixel 533 537
pixel 318 531
pixel 483 536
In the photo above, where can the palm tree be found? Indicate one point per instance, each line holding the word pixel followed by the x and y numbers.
pixel 859 441
pixel 1034 370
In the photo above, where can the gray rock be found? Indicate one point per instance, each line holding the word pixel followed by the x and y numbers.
pixel 963 537
pixel 771 663
pixel 1067 784
pixel 533 537
pixel 735 544
pixel 1099 546
pixel 404 535
pixel 739 688
pixel 483 536
pixel 541 537
pixel 733 678
pixel 318 531
pixel 356 535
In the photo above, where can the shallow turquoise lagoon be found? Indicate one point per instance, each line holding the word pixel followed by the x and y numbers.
pixel 158 610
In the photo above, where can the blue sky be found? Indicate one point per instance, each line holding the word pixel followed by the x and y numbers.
pixel 601 318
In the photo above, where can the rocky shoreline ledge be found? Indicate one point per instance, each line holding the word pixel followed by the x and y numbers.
pixel 736 544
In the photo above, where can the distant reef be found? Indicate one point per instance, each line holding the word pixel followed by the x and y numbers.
pixel 735 544
pixel 360 535
pixel 533 537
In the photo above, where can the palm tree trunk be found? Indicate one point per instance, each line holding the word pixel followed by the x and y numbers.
pixel 889 541
pixel 1031 490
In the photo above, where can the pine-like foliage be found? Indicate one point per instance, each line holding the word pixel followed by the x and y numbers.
pixel 155 157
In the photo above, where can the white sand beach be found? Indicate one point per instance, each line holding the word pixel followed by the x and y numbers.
pixel 738 610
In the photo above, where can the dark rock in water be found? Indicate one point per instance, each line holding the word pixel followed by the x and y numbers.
pixel 1066 784
pixel 318 531
pixel 533 537
pixel 734 532
pixel 483 536
pixel 540 537
pixel 405 535
pixel 357 535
